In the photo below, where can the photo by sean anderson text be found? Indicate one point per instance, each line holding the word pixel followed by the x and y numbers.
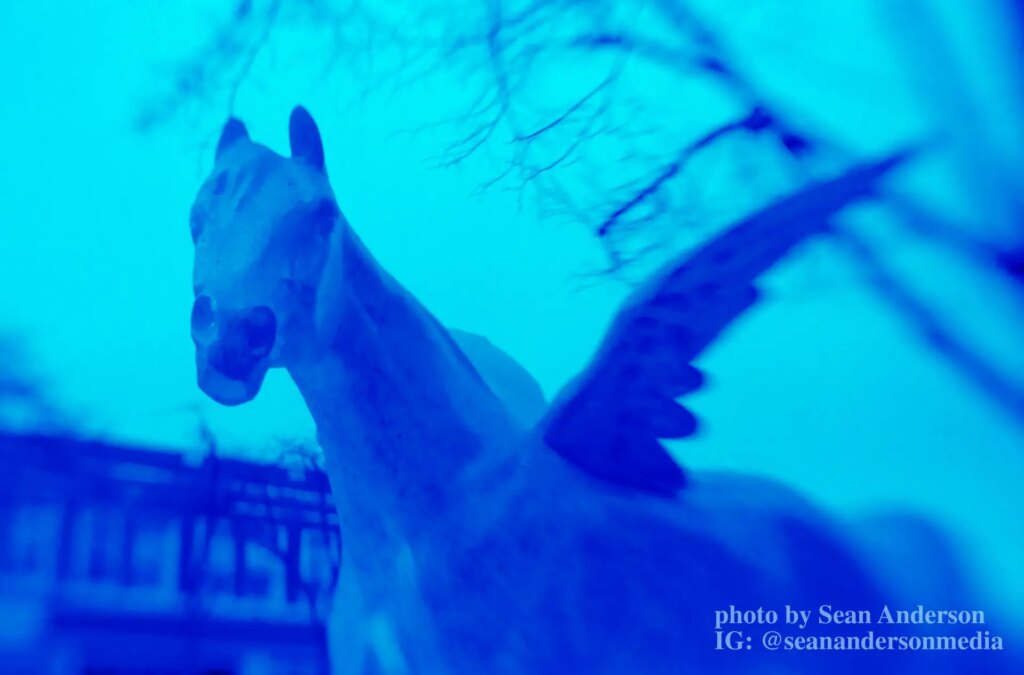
pixel 916 616
pixel 829 615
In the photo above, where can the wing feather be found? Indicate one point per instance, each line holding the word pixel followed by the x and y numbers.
pixel 610 419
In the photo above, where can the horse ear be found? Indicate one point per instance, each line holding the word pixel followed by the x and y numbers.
pixel 233 132
pixel 305 138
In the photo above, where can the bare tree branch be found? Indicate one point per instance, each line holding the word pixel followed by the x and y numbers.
pixel 555 145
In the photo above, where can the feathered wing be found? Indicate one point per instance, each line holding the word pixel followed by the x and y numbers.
pixel 610 419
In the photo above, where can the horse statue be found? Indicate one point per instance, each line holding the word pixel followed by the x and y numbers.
pixel 482 539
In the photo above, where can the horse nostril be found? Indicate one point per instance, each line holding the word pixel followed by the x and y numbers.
pixel 260 326
pixel 203 317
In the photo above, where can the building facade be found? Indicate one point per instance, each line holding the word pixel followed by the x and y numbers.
pixel 121 560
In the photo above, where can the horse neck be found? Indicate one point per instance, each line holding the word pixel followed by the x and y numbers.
pixel 400 411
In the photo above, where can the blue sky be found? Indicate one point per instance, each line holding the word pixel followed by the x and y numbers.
pixel 823 386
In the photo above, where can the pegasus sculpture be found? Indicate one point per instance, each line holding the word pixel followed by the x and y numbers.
pixel 476 539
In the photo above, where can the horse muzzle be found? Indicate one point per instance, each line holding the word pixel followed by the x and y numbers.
pixel 232 352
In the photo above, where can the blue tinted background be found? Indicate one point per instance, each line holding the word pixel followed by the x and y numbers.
pixel 823 385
